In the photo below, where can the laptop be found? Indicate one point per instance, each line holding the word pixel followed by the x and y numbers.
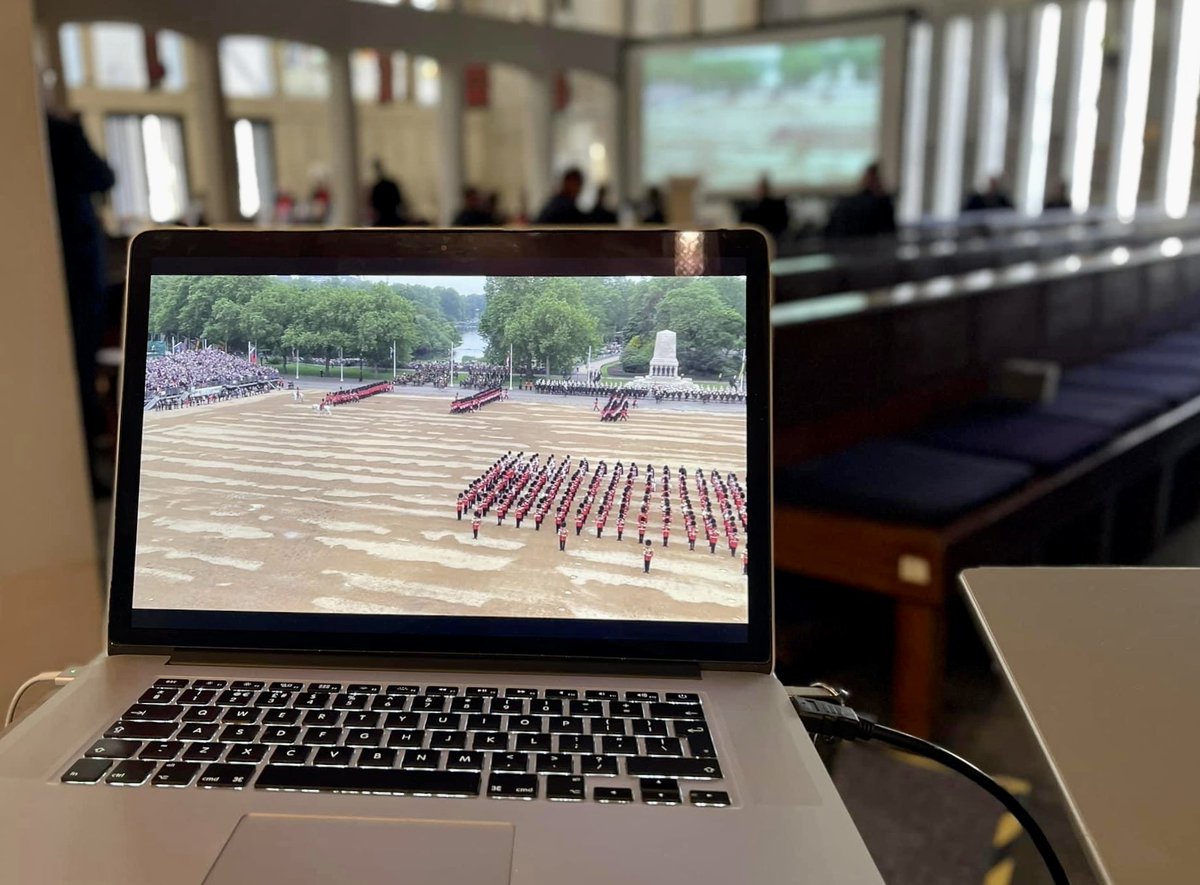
pixel 443 556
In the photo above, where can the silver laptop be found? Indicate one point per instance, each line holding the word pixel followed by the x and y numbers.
pixel 438 557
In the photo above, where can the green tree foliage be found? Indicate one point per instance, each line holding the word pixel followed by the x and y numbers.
pixel 709 335
pixel 635 356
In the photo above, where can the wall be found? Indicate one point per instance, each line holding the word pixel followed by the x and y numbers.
pixel 50 600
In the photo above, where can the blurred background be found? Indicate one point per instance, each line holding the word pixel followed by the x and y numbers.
pixel 987 276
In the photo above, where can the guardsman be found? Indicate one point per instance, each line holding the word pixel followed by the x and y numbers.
pixel 475 523
pixel 461 505
pixel 579 522
pixel 691 533
pixel 537 520
pixel 620 526
pixel 647 555
pixel 733 545
pixel 562 537
pixel 666 534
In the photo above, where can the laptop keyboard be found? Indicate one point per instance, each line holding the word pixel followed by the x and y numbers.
pixel 564 745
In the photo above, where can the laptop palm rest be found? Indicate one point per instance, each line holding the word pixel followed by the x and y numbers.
pixel 306 850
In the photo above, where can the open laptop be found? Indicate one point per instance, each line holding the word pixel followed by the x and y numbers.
pixel 440 555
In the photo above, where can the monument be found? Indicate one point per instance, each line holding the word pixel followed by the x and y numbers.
pixel 664 367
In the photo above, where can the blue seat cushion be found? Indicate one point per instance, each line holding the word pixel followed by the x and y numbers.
pixel 1175 387
pixel 1025 434
pixel 1108 408
pixel 1165 358
pixel 1177 341
pixel 899 481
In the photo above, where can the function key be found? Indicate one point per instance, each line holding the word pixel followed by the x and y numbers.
pixel 363 688
pixel 620 795
pixel 520 692
pixel 478 692
pixel 402 689
pixel 567 694
pixel 331 687
pixel 595 694
pixel 641 696
pixel 210 683
pixel 443 690
pixel 170 682
pixel 248 685
pixel 681 697
pixel 709 798
pixel 86 771
pixel 287 686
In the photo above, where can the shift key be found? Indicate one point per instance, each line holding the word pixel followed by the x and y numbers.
pixel 668 766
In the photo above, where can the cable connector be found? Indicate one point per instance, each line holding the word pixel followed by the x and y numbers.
pixel 832 720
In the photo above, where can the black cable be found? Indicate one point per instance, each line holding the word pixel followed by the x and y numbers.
pixel 833 720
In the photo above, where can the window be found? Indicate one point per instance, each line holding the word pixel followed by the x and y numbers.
pixel 428 87
pixel 146 153
pixel 247 70
pixel 254 149
pixel 399 76
pixel 171 57
pixel 119 56
pixel 305 71
pixel 70 46
pixel 364 75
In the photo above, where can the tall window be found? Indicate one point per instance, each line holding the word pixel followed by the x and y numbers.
pixel 119 56
pixel 247 70
pixel 399 76
pixel 171 57
pixel 428 86
pixel 255 151
pixel 364 75
pixel 70 46
pixel 305 71
pixel 146 153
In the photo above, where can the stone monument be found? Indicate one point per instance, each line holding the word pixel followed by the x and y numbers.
pixel 664 367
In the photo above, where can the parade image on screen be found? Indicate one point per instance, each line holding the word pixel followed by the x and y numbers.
pixel 480 446
pixel 806 112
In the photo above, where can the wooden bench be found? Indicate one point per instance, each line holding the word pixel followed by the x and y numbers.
pixel 852 368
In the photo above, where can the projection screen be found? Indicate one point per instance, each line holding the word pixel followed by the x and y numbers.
pixel 810 107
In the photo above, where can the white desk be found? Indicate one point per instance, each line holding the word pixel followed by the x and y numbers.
pixel 1106 665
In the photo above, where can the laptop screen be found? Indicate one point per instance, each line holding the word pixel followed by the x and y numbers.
pixel 550 455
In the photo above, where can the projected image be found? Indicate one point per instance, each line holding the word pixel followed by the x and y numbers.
pixel 806 113
pixel 544 447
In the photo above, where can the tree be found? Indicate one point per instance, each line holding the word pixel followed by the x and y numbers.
pixel 636 355
pixel 225 324
pixel 708 333
pixel 550 330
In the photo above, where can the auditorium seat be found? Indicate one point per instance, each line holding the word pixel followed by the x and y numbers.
pixel 1173 386
pixel 1118 411
pixel 899 481
pixel 1023 434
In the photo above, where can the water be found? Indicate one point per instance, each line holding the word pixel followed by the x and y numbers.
pixel 473 344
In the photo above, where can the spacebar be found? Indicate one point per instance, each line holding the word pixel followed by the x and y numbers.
pixel 369 780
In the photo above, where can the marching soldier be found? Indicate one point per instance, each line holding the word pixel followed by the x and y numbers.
pixel 733 545
pixel 562 537
pixel 620 526
pixel 461 505
pixel 666 534
pixel 475 523
pixel 691 533
pixel 647 556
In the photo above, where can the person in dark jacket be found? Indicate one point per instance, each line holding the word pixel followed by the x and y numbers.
pixel 770 212
pixel 563 208
pixel 868 213
pixel 600 213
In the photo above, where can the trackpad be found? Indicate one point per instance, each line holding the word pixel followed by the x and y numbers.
pixel 307 850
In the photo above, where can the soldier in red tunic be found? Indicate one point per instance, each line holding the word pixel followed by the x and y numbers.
pixel 620 526
pixel 562 537
pixel 475 523
pixel 691 532
pixel 666 534
pixel 647 556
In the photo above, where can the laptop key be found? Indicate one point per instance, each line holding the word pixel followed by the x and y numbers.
pixel 365 737
pixel 202 714
pixel 86 771
pixel 509 706
pixel 490 740
pixel 555 763
pixel 248 685
pixel 663 747
pixel 240 734
pixel 175 774
pixel 429 703
pixel 312 700
pixel 484 722
pixel 322 736
pixel 510 762
pixel 587 708
pixel 649 727
pixel 242 715
pixel 274 699
pixel 109 748
pixel 281 717
pixel 576 743
pixel 210 683
pixel 566 725
pixel 525 723
pixel 641 696
pixel 141 731
pixel 236 697
pixel 422 760
pixel 465 760
pixel 195 696
pixel 170 682
pixel 659 791
pixel 280 734
pixel 701 745
pixel 479 692
pixel 520 692
pixel 405 738
pixel 161 750
pixel 533 743
pixel 158 696
pixel 377 758
pixel 352 701
pixel 331 687
pixel 594 694
pixel 287 686
pixel 512 786
pixel 247 754
pixel 466 704
pixel 364 688
pixel 625 709
pixel 369 780
pixel 403 720
pixel 153 713
pixel 661 766
pixel 322 717
pixel 443 722
pixel 208 752
pixel 565 694
pixel 403 689
pixel 615 795
pixel 198 731
pixel 677 711
pixel 337 757
pixel 386 703
pixel 222 776
pixel 681 697
pixel 709 798
pixel 291 755
pixel 447 690
pixel 602 765
pixel 564 788
pixel 447 740
pixel 619 745
pixel 130 773
pixel 546 707
pixel 361 720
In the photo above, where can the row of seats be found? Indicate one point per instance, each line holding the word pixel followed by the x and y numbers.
pixel 939 472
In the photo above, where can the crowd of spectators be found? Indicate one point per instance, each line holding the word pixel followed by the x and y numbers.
pixel 177 373
pixel 422 374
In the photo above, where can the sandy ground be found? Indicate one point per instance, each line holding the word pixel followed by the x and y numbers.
pixel 264 505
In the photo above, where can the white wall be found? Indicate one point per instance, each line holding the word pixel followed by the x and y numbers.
pixel 49 586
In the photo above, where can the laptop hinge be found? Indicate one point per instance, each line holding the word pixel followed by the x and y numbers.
pixel 335 661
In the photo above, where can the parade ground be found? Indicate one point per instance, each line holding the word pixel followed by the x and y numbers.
pixel 264 504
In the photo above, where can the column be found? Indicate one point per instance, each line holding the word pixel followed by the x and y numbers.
pixel 992 132
pixel 217 159
pixel 916 123
pixel 343 144
pixel 1038 108
pixel 1179 124
pixel 1087 23
pixel 1133 95
pixel 539 132
pixel 450 134
pixel 952 116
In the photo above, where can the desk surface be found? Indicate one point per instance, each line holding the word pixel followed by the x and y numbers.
pixel 1106 665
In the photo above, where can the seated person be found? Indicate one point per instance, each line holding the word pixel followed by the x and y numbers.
pixel 770 213
pixel 868 213
pixel 563 208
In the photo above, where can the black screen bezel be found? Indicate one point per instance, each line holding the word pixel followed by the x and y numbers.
pixel 573 252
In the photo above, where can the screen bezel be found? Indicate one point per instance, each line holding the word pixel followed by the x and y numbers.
pixel 894 29
pixel 404 252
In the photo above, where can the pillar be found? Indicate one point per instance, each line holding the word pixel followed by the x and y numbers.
pixel 217 159
pixel 450 134
pixel 539 149
pixel 344 187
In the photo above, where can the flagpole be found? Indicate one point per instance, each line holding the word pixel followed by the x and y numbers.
pixel 341 364
pixel 393 359
pixel 296 355
pixel 510 365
